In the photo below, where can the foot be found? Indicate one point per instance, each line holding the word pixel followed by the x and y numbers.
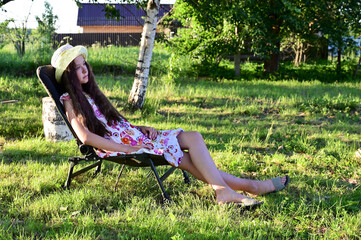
pixel 278 184
pixel 247 204
pixel 271 185
pixel 228 196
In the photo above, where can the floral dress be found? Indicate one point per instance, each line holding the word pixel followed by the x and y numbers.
pixel 123 132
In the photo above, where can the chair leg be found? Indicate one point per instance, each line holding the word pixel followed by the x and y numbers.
pixel 185 177
pixel 120 173
pixel 167 173
pixel 97 170
pixel 70 173
pixel 166 197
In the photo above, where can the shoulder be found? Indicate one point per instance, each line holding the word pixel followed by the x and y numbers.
pixel 65 97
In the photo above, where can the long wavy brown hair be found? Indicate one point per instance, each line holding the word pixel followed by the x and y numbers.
pixel 82 107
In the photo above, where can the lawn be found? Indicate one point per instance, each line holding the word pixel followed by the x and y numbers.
pixel 254 128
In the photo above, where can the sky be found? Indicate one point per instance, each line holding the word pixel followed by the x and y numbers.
pixel 66 10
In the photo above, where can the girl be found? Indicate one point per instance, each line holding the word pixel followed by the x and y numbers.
pixel 99 124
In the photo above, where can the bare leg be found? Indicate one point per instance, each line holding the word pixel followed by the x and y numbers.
pixel 251 186
pixel 200 164
pixel 204 167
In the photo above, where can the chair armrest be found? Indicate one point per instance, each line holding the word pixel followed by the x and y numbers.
pixel 87 150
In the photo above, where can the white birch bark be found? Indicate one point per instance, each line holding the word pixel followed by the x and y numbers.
pixel 137 95
pixel 237 57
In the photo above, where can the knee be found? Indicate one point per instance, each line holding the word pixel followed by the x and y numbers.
pixel 190 139
pixel 196 136
pixel 196 139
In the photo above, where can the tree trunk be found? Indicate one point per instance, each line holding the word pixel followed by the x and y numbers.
pixel 338 70
pixel 296 61
pixel 237 64
pixel 271 64
pixel 237 56
pixel 358 66
pixel 22 47
pixel 137 95
pixel 304 55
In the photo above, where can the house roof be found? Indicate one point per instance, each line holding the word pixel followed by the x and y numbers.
pixel 94 15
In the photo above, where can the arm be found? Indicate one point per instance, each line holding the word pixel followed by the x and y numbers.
pixel 89 138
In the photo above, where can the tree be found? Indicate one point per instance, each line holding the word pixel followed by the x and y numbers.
pixel 47 24
pixel 269 22
pixel 212 30
pixel 223 27
pixel 18 35
pixel 338 21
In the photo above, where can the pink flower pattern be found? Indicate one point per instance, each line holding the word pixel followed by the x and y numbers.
pixel 123 132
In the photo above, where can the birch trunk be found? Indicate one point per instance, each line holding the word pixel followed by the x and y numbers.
pixel 137 95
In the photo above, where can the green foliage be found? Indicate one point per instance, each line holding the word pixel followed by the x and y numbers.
pixel 43 36
pixel 215 29
pixel 16 35
pixel 208 35
pixel 21 37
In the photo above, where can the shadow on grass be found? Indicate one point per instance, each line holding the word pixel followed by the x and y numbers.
pixel 70 228
pixel 23 156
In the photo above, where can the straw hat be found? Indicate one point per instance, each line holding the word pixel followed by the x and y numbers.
pixel 64 55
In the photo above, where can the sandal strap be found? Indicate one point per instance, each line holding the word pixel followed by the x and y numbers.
pixel 278 184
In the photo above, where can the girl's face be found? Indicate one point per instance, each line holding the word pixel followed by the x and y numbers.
pixel 81 69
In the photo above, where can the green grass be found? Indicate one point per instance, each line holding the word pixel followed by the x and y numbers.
pixel 255 129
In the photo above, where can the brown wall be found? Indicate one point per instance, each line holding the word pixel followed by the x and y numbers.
pixel 119 39
pixel 112 29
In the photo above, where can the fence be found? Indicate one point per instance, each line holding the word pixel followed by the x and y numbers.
pixel 87 39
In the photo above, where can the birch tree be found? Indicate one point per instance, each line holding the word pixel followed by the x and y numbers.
pixel 137 94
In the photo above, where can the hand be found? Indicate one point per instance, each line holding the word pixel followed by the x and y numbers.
pixel 149 132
